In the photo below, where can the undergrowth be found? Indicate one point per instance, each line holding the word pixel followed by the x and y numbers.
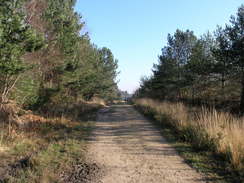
pixel 45 150
pixel 210 141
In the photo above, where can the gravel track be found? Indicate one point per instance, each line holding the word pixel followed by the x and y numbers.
pixel 130 149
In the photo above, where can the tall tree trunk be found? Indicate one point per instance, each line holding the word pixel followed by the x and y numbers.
pixel 223 87
pixel 242 94
pixel 193 95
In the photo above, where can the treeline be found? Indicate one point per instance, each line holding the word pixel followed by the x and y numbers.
pixel 44 58
pixel 206 69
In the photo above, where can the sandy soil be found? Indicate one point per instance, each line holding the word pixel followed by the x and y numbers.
pixel 130 149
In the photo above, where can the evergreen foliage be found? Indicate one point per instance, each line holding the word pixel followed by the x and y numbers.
pixel 44 58
pixel 206 70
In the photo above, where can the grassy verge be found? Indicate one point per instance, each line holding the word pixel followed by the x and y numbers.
pixel 44 151
pixel 201 148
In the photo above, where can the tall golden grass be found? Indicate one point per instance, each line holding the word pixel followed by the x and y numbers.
pixel 205 129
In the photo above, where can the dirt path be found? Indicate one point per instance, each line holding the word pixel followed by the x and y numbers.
pixel 130 149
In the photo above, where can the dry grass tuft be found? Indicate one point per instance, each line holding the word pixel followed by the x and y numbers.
pixel 50 143
pixel 97 100
pixel 205 129
pixel 3 149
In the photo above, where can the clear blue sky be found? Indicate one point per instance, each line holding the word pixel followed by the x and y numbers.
pixel 136 30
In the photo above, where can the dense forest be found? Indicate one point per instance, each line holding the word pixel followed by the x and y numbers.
pixel 46 59
pixel 203 70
